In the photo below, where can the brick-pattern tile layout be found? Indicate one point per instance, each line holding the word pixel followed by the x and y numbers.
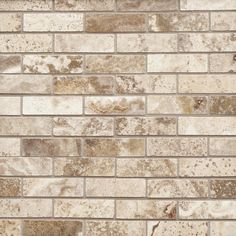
pixel 117 117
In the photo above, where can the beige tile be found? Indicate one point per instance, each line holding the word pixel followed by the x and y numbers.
pixel 223 188
pixel 13 105
pixel 222 146
pixel 10 22
pixel 10 63
pixel 10 227
pixel 223 21
pixel 223 62
pixel 220 228
pixel 9 147
pixel 222 105
pixel 10 187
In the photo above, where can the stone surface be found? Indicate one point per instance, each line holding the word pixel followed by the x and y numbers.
pixel 223 63
pixel 10 227
pixel 10 64
pixel 9 147
pixel 220 188
pixel 13 105
pixel 10 187
pixel 222 105
pixel 225 228
pixel 10 22
pixel 222 146
pixel 223 21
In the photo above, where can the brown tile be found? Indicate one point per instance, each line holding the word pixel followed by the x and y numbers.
pixel 10 187
pixel 222 105
pixel 10 64
pixel 220 188
pixel 10 227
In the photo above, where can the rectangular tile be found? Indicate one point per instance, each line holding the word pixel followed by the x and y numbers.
pixel 10 227
pixel 9 147
pixel 10 187
pixel 10 22
pixel 13 106
pixel 223 188
pixel 223 21
pixel 223 62
pixel 222 146
pixel 10 63
pixel 225 228
pixel 222 105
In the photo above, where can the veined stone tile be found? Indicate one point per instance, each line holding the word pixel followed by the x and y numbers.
pixel 222 146
pixel 146 167
pixel 10 105
pixel 222 105
pixel 115 63
pixel 25 207
pixel 147 43
pixel 207 209
pixel 223 21
pixel 207 42
pixel 25 126
pixel 27 166
pixel 82 126
pixel 171 104
pixel 207 83
pixel 10 187
pixel 10 22
pixel 43 64
pixel 177 188
pixel 10 64
pixel 84 166
pixel 167 22
pixel 221 188
pixel 9 147
pixel 25 43
pixel 25 84
pixel 84 5
pixel 177 63
pixel 120 105
pixel 132 84
pixel 145 209
pixel 53 187
pixel 183 228
pixel 51 147
pixel 114 22
pixel 84 43
pixel 84 208
pixel 111 187
pixel 145 126
pixel 207 5
pixel 83 84
pixel 10 227
pixel 127 228
pixel 114 147
pixel 48 105
pixel 203 167
pixel 177 146
pixel 207 125
pixel 53 22
pixel 223 62
pixel 52 227
pixel 220 228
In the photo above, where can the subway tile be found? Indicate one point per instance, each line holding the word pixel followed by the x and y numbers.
pixel 9 147
pixel 10 187
pixel 13 105
pixel 223 188
pixel 222 105
pixel 223 62
pixel 225 228
pixel 225 21
pixel 10 63
pixel 10 22
pixel 10 227
pixel 222 146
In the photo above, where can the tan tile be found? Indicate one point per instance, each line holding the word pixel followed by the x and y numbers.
pixel 83 84
pixel 120 105
pixel 10 187
pixel 223 62
pixel 53 22
pixel 9 147
pixel 84 166
pixel 177 63
pixel 52 187
pixel 221 188
pixel 167 22
pixel 84 208
pixel 222 146
pixel 10 22
pixel 177 188
pixel 141 167
pixel 82 126
pixel 51 147
pixel 84 43
pixel 10 63
pixel 223 21
pixel 220 228
pixel 43 64
pixel 115 187
pixel 114 147
pixel 222 105
pixel 13 105
pixel 145 209
pixel 10 227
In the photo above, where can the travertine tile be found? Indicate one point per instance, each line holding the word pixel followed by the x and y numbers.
pixel 220 188
pixel 84 208
pixel 10 64
pixel 183 228
pixel 171 104
pixel 43 64
pixel 10 187
pixel 145 126
pixel 147 43
pixel 222 146
pixel 120 105
pixel 127 228
pixel 48 105
pixel 84 43
pixel 114 147
pixel 145 209
pixel 220 228
pixel 10 22
pixel 222 105
pixel 25 43
pixel 167 22
pixel 115 63
pixel 83 84
pixel 132 84
pixel 84 166
pixel 52 187
pixel 115 187
pixel 179 188
pixel 177 146
pixel 141 167
pixel 203 167
pixel 223 62
pixel 53 22
pixel 207 209
pixel 52 228
pixel 207 83
pixel 114 22
pixel 27 166
pixel 10 227
pixel 82 126
pixel 13 105
pixel 9 147
pixel 51 147
pixel 177 63
pixel 223 21
pixel 25 207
